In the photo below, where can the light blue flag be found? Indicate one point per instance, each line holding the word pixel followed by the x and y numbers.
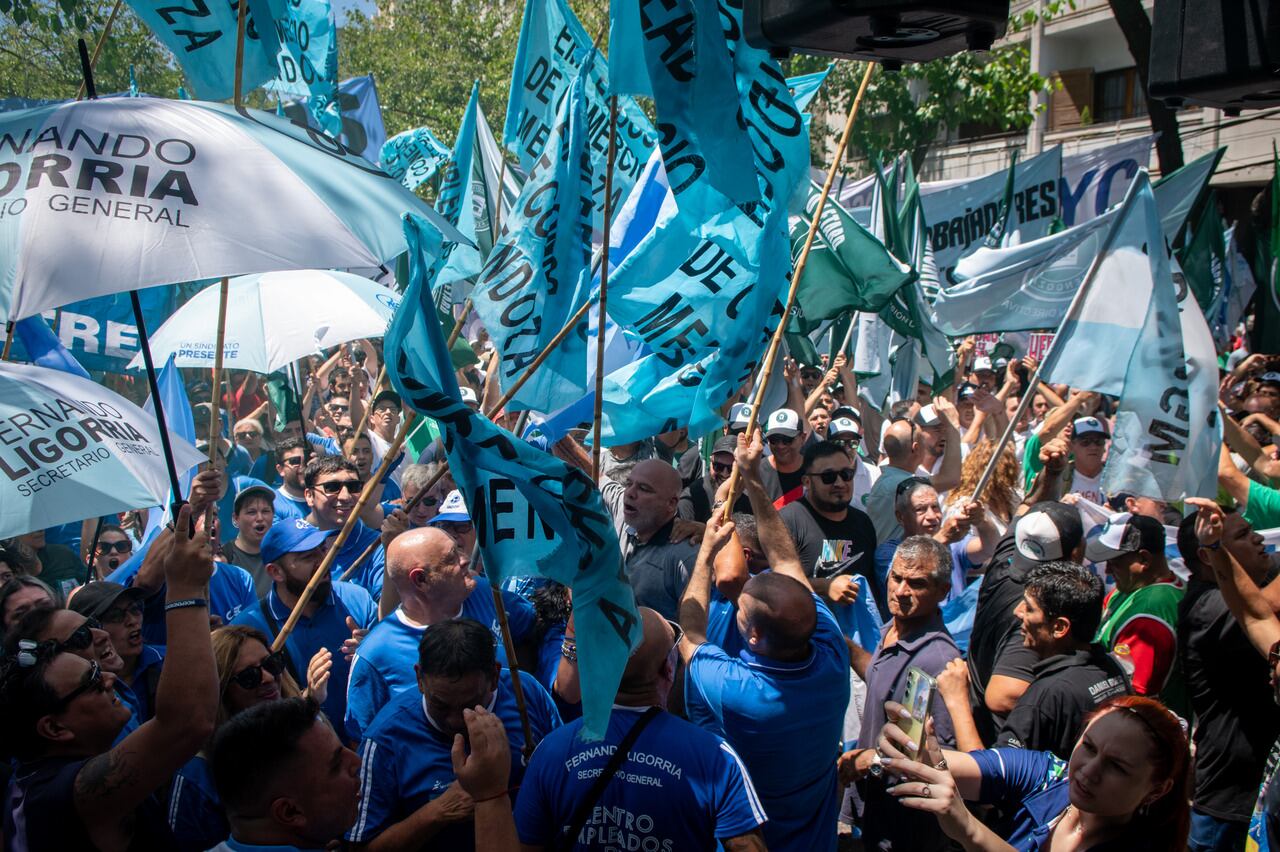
pixel 414 156
pixel 1028 287
pixel 307 58
pixel 1129 340
pixel 958 614
pixel 202 37
pixel 534 514
pixel 805 87
pixel 457 203
pixel 553 45
pixel 180 420
pixel 702 288
pixel 356 105
pixel 44 348
pixel 539 272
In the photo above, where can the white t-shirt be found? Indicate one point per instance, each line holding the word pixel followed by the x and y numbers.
pixel 1089 487
pixel 864 477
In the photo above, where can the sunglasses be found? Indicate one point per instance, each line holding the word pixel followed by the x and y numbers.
pixel 338 409
pixel 248 434
pixel 292 461
pixel 829 476
pixel 722 468
pixel 455 527
pixel 335 487
pixel 250 677
pixel 116 615
pixel 82 637
pixel 115 546
pixel 779 439
pixel 92 681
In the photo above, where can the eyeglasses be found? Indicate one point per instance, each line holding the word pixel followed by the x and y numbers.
pixel 115 546
pixel 115 615
pixel 82 637
pixel 334 487
pixel 455 527
pixel 250 677
pixel 779 439
pixel 92 681
pixel 828 477
pixel 292 461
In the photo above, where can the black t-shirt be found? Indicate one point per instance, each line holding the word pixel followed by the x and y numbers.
pixel 1050 714
pixel 995 643
pixel 790 485
pixel 1237 719
pixel 809 529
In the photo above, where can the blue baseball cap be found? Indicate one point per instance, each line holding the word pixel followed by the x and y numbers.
pixel 291 536
pixel 246 485
pixel 452 510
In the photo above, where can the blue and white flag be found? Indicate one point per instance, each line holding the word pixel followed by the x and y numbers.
pixel 702 288
pixel 534 515
pixel 202 37
pixel 180 420
pixel 362 130
pixel 414 156
pixel 1130 339
pixel 1028 287
pixel 307 33
pixel 805 87
pixel 553 46
pixel 44 349
pixel 538 274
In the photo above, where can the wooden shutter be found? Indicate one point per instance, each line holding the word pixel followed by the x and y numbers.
pixel 1070 98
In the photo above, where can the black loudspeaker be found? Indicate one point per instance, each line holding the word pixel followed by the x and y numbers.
pixel 889 31
pixel 1219 53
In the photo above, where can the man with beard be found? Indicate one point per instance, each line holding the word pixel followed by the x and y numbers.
pixel 336 618
pixel 697 499
pixel 290 497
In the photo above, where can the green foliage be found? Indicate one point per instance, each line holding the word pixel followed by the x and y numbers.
pixel 425 54
pixel 908 110
pixel 39 58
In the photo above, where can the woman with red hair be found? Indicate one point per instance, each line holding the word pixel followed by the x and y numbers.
pixel 1124 788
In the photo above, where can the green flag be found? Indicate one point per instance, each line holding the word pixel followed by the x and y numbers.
pixel 848 269
pixel 283 399
pixel 1204 257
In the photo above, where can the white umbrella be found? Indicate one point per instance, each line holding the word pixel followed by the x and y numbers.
pixel 70 449
pixel 273 319
pixel 107 196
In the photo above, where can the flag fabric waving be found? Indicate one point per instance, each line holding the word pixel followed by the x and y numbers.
pixel 533 514
pixel 414 156
pixel 456 203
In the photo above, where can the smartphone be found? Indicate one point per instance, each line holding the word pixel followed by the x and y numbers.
pixel 919 700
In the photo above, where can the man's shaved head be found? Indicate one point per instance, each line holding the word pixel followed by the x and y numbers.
pixel 776 615
pixel 653 491
pixel 645 667
pixel 900 444
pixel 424 547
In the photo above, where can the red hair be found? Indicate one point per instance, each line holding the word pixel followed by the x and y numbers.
pixel 1168 819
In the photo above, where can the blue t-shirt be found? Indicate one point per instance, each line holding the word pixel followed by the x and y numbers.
pixel 383 666
pixel 763 707
pixel 233 845
pixel 264 468
pixel 288 509
pixel 196 816
pixel 370 573
pixel 405 760
pixel 147 674
pixel 1032 786
pixel 327 446
pixel 230 590
pixel 326 629
pixel 680 790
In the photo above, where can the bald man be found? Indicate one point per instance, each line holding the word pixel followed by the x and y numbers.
pixel 431 578
pixel 904 446
pixel 777 685
pixel 681 788
pixel 657 567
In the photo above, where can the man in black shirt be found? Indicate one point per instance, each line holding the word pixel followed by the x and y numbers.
pixel 1227 682
pixel 1000 666
pixel 1060 611
pixel 824 513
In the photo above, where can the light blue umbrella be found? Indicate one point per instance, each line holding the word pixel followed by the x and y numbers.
pixel 101 197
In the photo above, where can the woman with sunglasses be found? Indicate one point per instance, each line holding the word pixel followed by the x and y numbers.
pixel 248 675
pixel 112 549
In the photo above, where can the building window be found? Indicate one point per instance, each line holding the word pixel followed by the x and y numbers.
pixel 1118 95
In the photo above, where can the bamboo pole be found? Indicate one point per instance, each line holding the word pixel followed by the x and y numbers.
pixel 241 14
pixel 598 414
pixel 512 665
pixel 215 397
pixel 368 409
pixel 772 352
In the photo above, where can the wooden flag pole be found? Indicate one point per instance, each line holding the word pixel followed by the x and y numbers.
pixel 215 396
pixel 772 352
pixel 241 13
pixel 368 409
pixel 604 290
pixel 491 413
pixel 512 664
pixel 322 570
pixel 8 341
pixel 97 48
pixel 457 326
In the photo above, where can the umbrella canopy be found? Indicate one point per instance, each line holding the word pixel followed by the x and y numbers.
pixel 70 449
pixel 106 196
pixel 273 319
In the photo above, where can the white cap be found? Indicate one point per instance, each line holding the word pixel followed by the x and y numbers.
pixel 982 364
pixel 739 416
pixel 452 509
pixel 843 426
pixel 1270 376
pixel 469 397
pixel 1088 425
pixel 783 422
pixel 928 416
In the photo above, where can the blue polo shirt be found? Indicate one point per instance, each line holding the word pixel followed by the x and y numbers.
pixel 230 590
pixel 763 707
pixel 286 508
pixel 405 759
pixel 370 573
pixel 383 666
pixel 681 789
pixel 1033 786
pixel 326 629
pixel 195 812
pixel 152 657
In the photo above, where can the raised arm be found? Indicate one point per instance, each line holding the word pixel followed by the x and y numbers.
pixel 1243 597
pixel 948 475
pixel 696 601
pixel 110 786
pixel 775 540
